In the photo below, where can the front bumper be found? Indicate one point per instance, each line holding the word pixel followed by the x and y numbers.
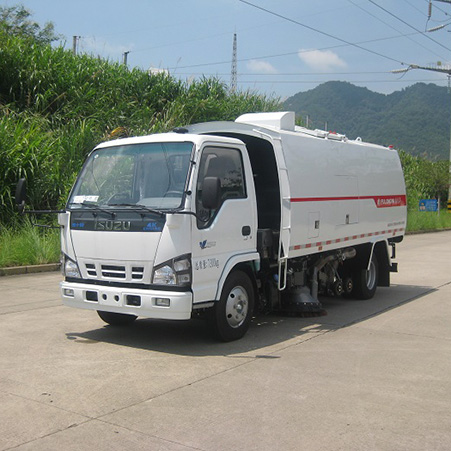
pixel 129 301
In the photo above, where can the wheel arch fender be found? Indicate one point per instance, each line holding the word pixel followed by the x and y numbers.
pixel 365 252
pixel 381 250
pixel 246 263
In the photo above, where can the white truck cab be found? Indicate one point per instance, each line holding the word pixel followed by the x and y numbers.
pixel 226 218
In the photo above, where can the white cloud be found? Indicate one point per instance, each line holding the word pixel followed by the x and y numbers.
pixel 322 60
pixel 261 66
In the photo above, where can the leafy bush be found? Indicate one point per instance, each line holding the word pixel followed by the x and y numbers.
pixel 425 179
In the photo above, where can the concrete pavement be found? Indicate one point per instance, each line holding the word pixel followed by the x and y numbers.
pixel 371 375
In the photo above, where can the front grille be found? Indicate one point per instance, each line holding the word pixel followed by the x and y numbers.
pixel 113 271
pixel 91 269
pixel 137 272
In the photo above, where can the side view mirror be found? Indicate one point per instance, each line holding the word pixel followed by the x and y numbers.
pixel 211 193
pixel 21 197
pixel 21 194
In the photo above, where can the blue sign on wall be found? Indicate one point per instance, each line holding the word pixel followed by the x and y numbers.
pixel 428 205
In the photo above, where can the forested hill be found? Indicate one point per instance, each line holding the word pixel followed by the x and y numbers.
pixel 416 119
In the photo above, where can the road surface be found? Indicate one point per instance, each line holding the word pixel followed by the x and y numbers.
pixel 372 375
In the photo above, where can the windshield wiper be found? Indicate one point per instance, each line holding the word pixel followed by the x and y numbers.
pixel 95 207
pixel 159 212
pixel 140 207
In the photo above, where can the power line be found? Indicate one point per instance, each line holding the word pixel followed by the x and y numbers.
pixel 252 74
pixel 417 9
pixel 278 55
pixel 321 32
pixel 407 24
pixel 392 28
pixel 434 80
pixel 440 9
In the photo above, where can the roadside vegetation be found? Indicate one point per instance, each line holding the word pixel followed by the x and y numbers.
pixel 55 107
pixel 426 179
pixel 427 221
pixel 28 245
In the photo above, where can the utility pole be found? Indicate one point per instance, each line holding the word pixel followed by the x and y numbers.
pixel 75 40
pixel 125 56
pixel 233 75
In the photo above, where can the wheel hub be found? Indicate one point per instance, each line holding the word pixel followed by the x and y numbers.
pixel 237 306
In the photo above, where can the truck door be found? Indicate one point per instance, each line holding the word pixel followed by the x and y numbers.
pixel 220 235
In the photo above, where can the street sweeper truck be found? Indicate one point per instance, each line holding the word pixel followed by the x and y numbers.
pixel 225 219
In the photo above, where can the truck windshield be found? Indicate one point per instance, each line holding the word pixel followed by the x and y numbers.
pixel 149 175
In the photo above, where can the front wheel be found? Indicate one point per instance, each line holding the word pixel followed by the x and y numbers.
pixel 116 319
pixel 232 314
pixel 365 280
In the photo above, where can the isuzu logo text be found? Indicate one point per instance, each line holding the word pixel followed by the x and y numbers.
pixel 111 225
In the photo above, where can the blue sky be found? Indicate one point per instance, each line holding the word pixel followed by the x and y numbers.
pixel 284 46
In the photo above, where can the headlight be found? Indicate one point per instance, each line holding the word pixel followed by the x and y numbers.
pixel 70 268
pixel 164 276
pixel 175 272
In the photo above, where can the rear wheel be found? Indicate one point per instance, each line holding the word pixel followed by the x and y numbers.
pixel 365 280
pixel 232 314
pixel 116 319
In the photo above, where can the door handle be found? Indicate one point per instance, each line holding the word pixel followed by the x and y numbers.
pixel 246 230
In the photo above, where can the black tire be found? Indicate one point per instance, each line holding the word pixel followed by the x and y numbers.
pixel 232 314
pixel 116 319
pixel 365 281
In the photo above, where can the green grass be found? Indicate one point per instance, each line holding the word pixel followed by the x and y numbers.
pixel 423 221
pixel 28 245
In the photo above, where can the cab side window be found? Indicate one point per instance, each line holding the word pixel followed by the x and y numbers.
pixel 227 166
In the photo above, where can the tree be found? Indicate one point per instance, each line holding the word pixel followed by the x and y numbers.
pixel 16 20
pixel 424 178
